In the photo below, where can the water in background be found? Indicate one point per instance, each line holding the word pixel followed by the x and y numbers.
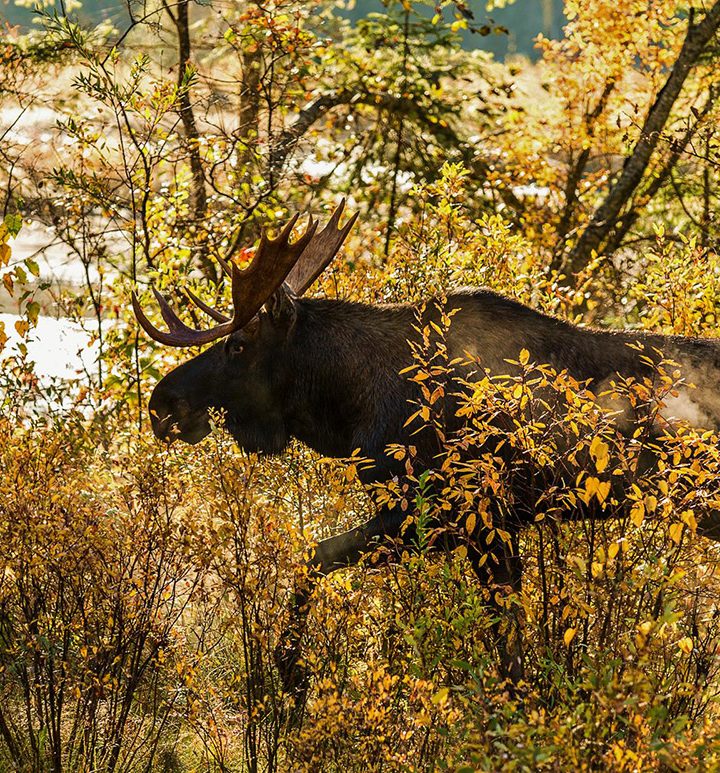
pixel 524 20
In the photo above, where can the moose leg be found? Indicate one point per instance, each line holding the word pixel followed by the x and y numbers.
pixel 503 568
pixel 333 553
pixel 347 548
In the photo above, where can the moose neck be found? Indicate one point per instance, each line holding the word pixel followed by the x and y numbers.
pixel 345 392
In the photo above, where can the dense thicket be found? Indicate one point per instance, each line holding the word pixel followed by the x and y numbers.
pixel 144 590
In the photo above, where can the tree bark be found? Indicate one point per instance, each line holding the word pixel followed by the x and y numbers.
pixel 249 113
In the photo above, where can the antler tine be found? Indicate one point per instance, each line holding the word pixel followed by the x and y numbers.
pixel 285 233
pixel 147 326
pixel 174 323
pixel 224 265
pixel 273 261
pixel 179 334
pixel 218 316
pixel 320 251
pixel 226 262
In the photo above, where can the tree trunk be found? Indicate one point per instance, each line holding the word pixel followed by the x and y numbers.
pixel 602 224
pixel 198 192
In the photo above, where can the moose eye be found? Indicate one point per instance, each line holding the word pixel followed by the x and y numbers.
pixel 234 346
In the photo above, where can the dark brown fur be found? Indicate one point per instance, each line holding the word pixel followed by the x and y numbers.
pixel 327 372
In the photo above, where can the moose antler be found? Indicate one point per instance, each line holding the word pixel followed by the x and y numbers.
pixel 275 261
pixel 322 249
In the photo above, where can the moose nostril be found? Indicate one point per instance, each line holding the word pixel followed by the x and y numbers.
pixel 167 415
pixel 160 422
pixel 160 412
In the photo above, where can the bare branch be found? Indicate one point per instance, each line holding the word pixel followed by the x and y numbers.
pixel 289 139
pixel 626 222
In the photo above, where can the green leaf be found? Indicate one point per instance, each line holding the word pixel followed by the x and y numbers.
pixel 32 266
pixel 33 310
pixel 13 223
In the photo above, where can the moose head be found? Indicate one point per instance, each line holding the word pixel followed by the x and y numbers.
pixel 246 375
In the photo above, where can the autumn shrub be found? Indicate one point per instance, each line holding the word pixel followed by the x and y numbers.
pixel 95 584
pixel 144 590
pixel 617 616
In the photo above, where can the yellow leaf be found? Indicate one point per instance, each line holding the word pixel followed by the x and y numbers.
pixel 524 356
pixel 569 635
pixel 4 254
pixel 411 418
pixel 470 523
pixel 589 489
pixel 675 532
pixel 486 519
pixel 603 490
pixel 440 696
pixel 613 549
pixel 686 644
pixel 22 326
pixel 599 451
pixel 688 518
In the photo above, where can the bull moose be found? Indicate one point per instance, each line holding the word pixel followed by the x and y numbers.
pixel 328 372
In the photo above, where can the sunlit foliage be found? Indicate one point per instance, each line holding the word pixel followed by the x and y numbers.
pixel 144 590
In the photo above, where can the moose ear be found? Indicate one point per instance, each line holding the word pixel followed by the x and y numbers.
pixel 281 307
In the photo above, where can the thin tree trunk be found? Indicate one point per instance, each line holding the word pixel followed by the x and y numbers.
pixel 249 114
pixel 198 192
pixel 577 170
pixel 392 214
pixel 626 221
pixel 706 190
